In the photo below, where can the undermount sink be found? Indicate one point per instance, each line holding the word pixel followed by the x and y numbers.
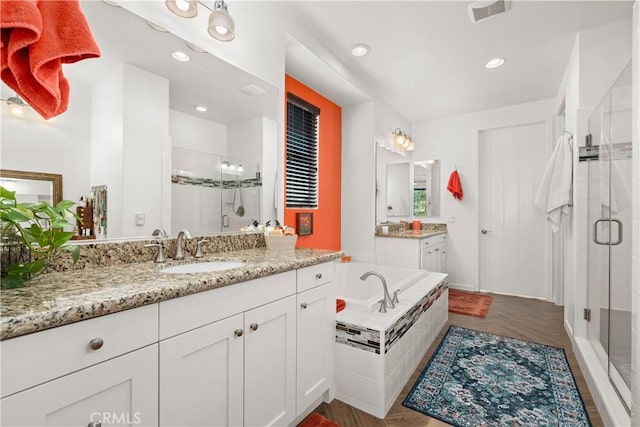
pixel 203 267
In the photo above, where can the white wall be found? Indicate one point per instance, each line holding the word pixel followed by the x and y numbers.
pixel 193 133
pixel 146 127
pixel 454 141
pixel 358 182
pixel 106 143
pixel 60 145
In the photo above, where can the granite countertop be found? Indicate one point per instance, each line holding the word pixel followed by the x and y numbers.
pixel 411 234
pixel 60 298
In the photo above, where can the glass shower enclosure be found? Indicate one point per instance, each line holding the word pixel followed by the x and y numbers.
pixel 608 154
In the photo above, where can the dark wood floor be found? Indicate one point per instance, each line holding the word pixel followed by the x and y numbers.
pixel 527 319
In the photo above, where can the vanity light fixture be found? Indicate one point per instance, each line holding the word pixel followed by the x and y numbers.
pixel 179 55
pixel 221 26
pixel 402 140
pixel 183 8
pixel 16 105
pixel 201 108
pixel 360 49
pixel 494 63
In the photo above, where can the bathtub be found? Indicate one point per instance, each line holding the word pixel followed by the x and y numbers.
pixel 376 353
pixel 364 295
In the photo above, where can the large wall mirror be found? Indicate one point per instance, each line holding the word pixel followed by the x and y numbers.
pixel 132 129
pixel 406 189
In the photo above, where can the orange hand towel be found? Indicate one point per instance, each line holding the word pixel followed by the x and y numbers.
pixel 454 186
pixel 37 37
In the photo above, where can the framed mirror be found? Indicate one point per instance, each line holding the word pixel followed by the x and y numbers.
pixel 34 187
pixel 130 108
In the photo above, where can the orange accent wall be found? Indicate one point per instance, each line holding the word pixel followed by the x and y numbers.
pixel 326 218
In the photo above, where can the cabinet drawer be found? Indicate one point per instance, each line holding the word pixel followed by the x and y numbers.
pixel 433 240
pixel 182 314
pixel 315 275
pixel 33 359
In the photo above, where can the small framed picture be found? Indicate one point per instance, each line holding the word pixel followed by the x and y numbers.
pixel 304 223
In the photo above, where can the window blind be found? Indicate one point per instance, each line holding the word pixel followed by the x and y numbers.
pixel 301 153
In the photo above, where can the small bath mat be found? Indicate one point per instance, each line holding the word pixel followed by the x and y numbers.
pixel 479 379
pixel 316 420
pixel 469 303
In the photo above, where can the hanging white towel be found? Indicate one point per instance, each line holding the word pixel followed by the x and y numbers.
pixel 554 193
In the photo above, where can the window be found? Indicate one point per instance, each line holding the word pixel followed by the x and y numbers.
pixel 301 153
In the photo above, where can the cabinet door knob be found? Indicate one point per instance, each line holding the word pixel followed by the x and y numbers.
pixel 303 305
pixel 96 344
pixel 94 424
pixel 254 326
pixel 319 276
pixel 238 332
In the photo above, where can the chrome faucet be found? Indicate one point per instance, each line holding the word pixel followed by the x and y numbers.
pixel 386 300
pixel 160 232
pixel 182 234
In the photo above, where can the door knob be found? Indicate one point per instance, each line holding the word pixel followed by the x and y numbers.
pixel 238 332
pixel 484 231
pixel 254 326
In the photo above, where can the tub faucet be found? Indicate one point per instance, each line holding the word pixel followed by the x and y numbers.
pixel 386 301
pixel 183 234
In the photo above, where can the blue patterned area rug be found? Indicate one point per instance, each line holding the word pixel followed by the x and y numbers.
pixel 480 379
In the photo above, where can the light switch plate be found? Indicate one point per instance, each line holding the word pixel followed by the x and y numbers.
pixel 140 218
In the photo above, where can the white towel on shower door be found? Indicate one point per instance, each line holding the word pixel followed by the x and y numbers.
pixel 554 193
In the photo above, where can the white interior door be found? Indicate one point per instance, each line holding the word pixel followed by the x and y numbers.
pixel 514 236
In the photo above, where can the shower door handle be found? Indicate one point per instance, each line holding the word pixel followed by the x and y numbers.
pixel 595 232
pixel 617 242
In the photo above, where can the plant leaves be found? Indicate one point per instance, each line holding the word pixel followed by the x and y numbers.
pixel 74 250
pixel 64 205
pixel 11 282
pixel 6 194
pixel 62 237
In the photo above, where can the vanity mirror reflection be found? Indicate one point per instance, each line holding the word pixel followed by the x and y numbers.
pixel 131 111
pixel 33 187
pixel 406 189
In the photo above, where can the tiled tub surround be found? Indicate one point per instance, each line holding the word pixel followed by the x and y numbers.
pixel 427 230
pixel 60 298
pixel 376 353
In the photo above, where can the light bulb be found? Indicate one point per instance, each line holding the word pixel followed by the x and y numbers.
pixel 221 30
pixel 16 109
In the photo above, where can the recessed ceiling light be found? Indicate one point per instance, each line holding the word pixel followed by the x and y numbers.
pixel 494 63
pixel 360 49
pixel 180 56
pixel 201 108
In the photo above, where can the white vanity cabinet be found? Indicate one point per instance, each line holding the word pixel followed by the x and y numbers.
pixel 235 370
pixel 433 253
pixel 101 370
pixel 255 353
pixel 427 253
pixel 316 305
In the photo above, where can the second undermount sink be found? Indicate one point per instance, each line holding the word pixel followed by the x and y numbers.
pixel 203 267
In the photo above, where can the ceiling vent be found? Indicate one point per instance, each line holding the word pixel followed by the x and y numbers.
pixel 484 9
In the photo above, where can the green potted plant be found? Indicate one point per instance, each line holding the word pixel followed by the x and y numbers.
pixel 40 227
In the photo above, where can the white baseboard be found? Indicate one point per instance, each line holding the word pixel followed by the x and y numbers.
pixel 463 287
